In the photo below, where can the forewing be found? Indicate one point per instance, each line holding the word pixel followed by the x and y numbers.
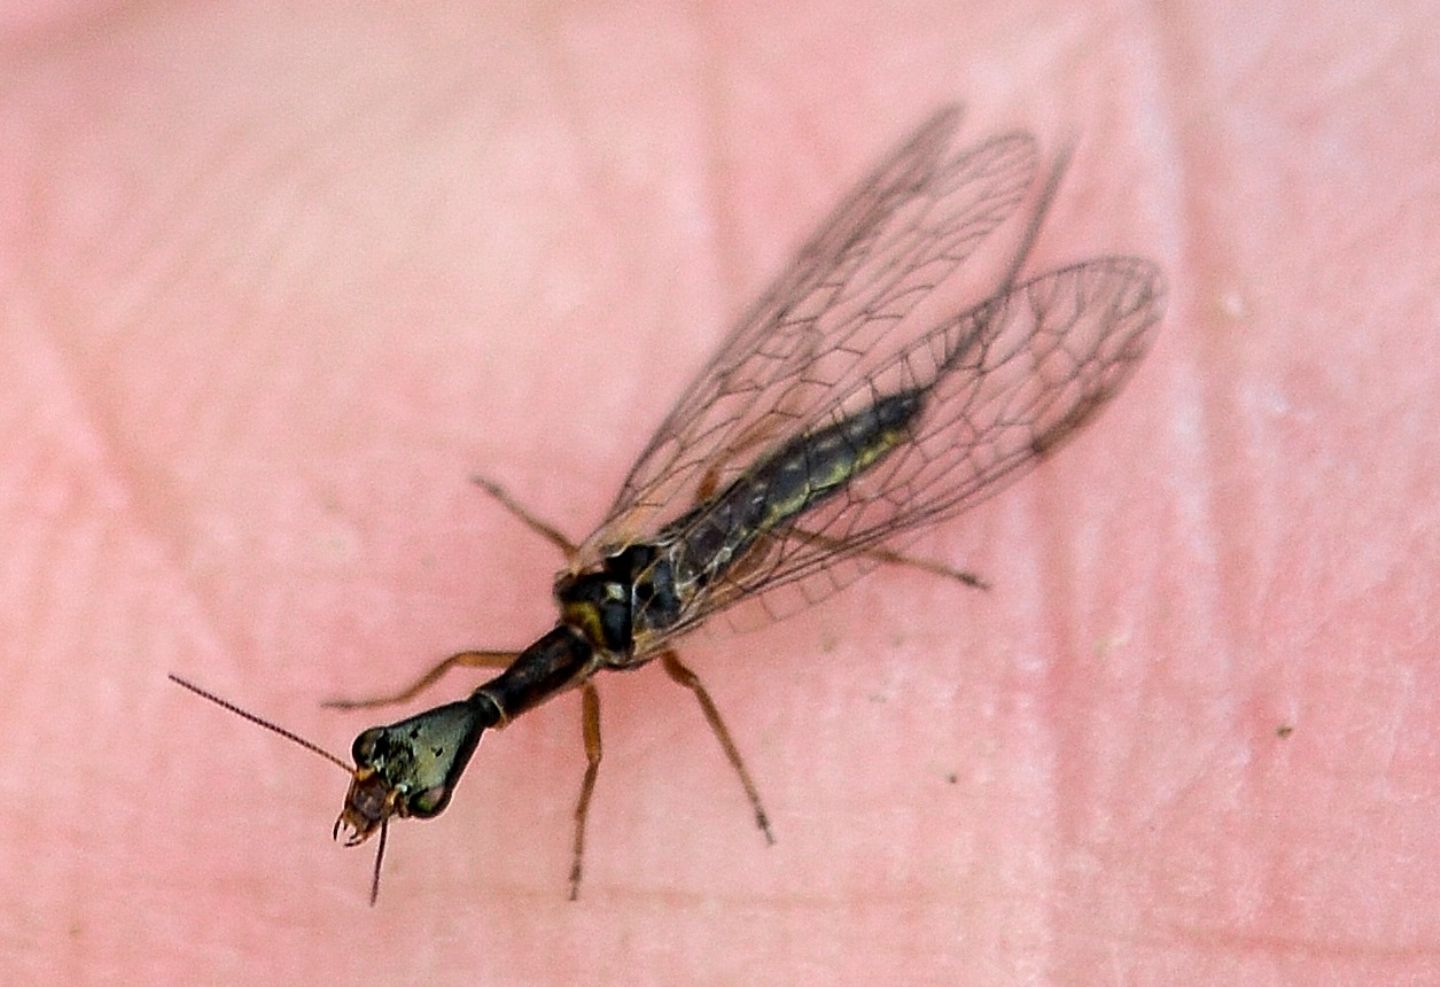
pixel 1006 383
pixel 901 232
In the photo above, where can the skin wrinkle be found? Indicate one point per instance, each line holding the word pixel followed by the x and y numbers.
pixel 111 457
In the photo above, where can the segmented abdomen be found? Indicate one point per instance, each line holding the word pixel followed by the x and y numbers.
pixel 700 547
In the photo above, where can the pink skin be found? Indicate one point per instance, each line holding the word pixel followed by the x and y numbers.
pixel 274 284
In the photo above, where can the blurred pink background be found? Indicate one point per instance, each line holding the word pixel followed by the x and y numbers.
pixel 276 278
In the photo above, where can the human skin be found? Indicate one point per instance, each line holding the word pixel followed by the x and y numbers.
pixel 273 284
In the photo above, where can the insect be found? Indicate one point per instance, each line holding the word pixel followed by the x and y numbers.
pixel 868 394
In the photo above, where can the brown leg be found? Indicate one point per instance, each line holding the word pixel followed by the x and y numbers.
pixel 681 674
pixel 547 531
pixel 469 659
pixel 465 659
pixel 757 433
pixel 590 726
pixel 887 556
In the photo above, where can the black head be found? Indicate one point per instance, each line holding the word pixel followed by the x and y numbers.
pixel 407 769
pixel 410 768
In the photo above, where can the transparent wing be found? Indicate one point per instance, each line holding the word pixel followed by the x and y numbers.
pixel 1005 384
pixel 841 305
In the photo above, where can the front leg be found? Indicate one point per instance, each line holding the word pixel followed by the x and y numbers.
pixel 463 659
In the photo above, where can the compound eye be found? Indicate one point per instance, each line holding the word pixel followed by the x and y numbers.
pixel 363 750
pixel 429 802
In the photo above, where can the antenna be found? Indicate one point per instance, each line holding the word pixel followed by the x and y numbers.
pixel 273 728
pixel 301 741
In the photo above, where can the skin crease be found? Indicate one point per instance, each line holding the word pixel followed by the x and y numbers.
pixel 275 283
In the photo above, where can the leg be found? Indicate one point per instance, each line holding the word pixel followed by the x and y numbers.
pixel 547 531
pixel 677 671
pixel 590 726
pixel 750 439
pixel 465 659
pixel 887 556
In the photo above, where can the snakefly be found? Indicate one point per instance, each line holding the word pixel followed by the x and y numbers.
pixel 869 393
